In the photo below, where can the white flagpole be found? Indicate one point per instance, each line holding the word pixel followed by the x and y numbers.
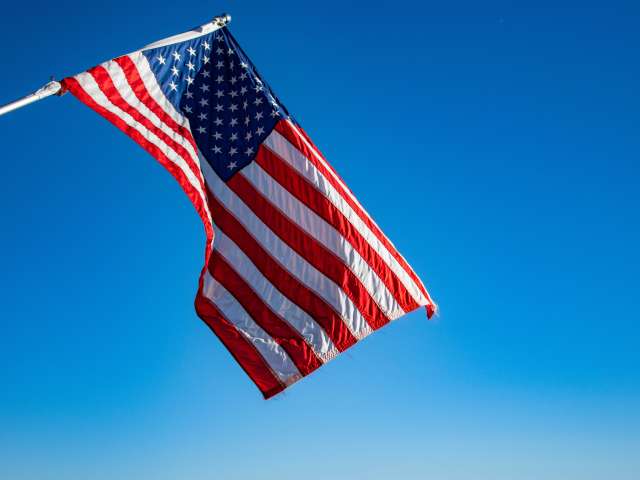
pixel 54 87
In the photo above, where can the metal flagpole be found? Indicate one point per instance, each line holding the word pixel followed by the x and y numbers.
pixel 54 87
pixel 45 91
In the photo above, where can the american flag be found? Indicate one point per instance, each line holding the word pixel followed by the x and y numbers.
pixel 295 270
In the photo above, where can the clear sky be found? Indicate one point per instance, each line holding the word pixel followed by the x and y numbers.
pixel 497 145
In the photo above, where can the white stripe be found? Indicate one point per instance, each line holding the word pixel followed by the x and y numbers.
pixel 124 88
pixel 288 311
pixel 329 169
pixel 152 86
pixel 347 192
pixel 291 155
pixel 273 354
pixel 328 236
pixel 89 85
pixel 287 257
pixel 216 24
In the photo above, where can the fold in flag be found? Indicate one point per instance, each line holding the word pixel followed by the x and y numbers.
pixel 295 270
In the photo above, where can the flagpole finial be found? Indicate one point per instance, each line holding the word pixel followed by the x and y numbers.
pixel 222 20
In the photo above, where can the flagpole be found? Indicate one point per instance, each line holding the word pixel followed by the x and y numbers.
pixel 45 91
pixel 53 87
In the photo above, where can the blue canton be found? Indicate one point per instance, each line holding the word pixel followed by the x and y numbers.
pixel 231 110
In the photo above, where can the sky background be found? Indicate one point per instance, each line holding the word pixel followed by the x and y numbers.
pixel 497 145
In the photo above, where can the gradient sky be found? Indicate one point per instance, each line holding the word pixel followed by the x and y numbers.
pixel 498 146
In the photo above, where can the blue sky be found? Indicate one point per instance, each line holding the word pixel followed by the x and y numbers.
pixel 496 145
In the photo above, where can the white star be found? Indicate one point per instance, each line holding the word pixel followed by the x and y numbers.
pixel 244 65
pixel 248 136
pixel 232 165
pixel 243 76
pixel 234 122
pixel 218 122
pixel 232 65
pixel 205 60
pixel 243 90
pixel 217 136
pixel 230 51
pixel 219 93
pixel 258 88
pixel 220 64
pixel 175 71
pixel 245 105
pixel 247 120
pixel 189 94
pixel 202 130
pixel 219 108
pixel 191 66
pixel 202 116
pixel 173 86
pixel 249 151
pixel 161 59
pixel 258 115
pixel 219 38
pixel 206 73
pixel 233 151
pixel 274 114
pixel 216 149
pixel 206 45
pixel 204 87
pixel 176 55
pixel 257 101
pixel 233 94
pixel 233 137
pixel 203 102
pixel 259 131
pixel 219 50
pixel 233 107
pixel 188 109
pixel 219 79
pixel 189 80
pixel 233 80
pixel 191 51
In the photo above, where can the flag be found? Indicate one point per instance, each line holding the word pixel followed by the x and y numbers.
pixel 296 271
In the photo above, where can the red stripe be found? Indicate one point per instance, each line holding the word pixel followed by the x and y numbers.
pixel 105 82
pixel 239 347
pixel 287 131
pixel 137 85
pixel 304 191
pixel 298 350
pixel 287 284
pixel 76 89
pixel 310 249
